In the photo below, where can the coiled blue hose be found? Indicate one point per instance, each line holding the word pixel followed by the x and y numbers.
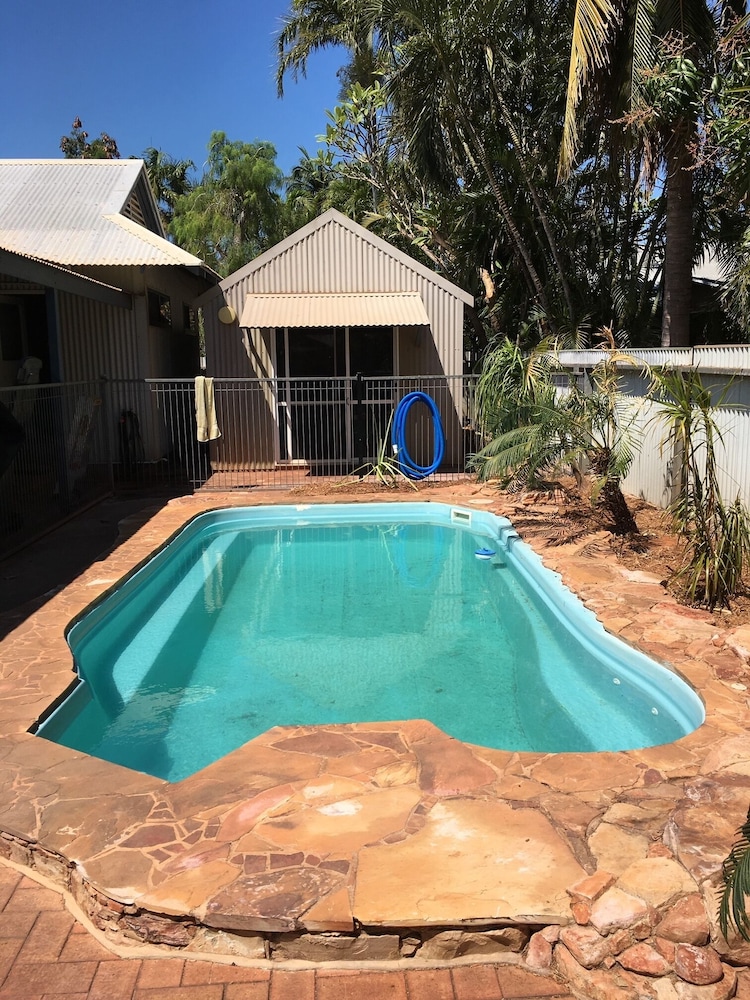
pixel 398 436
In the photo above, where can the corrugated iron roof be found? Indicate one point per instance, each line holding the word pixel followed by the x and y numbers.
pixel 362 309
pixel 68 212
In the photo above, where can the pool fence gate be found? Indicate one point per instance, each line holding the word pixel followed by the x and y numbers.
pixel 65 445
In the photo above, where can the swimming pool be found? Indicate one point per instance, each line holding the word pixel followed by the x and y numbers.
pixel 300 615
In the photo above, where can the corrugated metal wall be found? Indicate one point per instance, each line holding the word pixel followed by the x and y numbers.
pixel 96 339
pixel 332 256
pixel 651 476
pixel 725 371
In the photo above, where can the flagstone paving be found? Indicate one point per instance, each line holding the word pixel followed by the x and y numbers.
pixel 46 953
pixel 392 840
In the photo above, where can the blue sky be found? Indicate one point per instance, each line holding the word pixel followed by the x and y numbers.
pixel 155 73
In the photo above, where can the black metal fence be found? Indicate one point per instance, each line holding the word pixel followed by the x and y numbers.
pixel 63 446
pixel 54 455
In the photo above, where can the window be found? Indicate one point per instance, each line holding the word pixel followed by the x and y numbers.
pixel 189 319
pixel 159 309
pixel 11 332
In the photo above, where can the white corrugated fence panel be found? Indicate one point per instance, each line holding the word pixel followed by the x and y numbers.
pixel 650 473
pixel 734 454
pixel 730 358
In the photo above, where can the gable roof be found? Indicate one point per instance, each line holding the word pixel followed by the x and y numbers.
pixel 84 213
pixel 316 228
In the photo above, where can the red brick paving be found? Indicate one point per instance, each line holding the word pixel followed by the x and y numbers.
pixel 293 986
pixel 429 984
pixel 45 954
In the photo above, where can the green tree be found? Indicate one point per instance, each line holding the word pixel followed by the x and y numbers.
pixel 537 430
pixel 726 146
pixel 311 25
pixel 716 534
pixel 235 212
pixel 76 145
pixel 643 63
pixel 169 180
pixel 457 139
pixel 317 183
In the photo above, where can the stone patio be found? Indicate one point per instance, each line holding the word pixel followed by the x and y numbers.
pixel 392 841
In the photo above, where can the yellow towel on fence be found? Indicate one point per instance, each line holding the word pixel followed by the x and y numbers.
pixel 205 409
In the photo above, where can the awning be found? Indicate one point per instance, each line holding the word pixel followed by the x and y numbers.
pixel 309 310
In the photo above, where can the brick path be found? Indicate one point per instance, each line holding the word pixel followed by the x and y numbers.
pixel 46 954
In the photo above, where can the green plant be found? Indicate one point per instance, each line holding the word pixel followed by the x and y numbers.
pixel 735 876
pixel 537 429
pixel 385 467
pixel 717 534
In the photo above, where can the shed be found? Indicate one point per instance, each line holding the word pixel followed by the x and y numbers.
pixel 330 303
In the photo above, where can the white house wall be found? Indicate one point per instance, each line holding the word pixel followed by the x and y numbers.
pixel 725 370
pixel 96 339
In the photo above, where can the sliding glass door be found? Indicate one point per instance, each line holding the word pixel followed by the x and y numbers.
pixel 325 417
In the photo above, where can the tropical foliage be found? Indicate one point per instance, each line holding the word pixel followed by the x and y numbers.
pixel 385 468
pixel 538 430
pixel 169 179
pixel 565 207
pixel 458 134
pixel 76 145
pixel 648 67
pixel 716 533
pixel 735 876
pixel 233 213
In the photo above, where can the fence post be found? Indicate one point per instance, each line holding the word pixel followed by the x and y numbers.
pixel 358 420
pixel 106 394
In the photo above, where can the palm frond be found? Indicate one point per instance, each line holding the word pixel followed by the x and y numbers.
pixel 735 874
pixel 642 47
pixel 594 22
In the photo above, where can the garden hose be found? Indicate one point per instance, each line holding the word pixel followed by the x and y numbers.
pixel 398 436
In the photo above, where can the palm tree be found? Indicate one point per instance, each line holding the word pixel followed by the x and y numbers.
pixel 478 122
pixel 169 179
pixel 317 24
pixel 615 46
pixel 458 140
pixel 536 430
pixel 735 876
pixel 716 533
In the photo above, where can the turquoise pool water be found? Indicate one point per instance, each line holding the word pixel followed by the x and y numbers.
pixel 258 617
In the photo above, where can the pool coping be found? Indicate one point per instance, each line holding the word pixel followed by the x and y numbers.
pixel 384 840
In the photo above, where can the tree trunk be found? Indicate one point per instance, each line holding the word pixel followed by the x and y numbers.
pixel 611 498
pixel 678 252
pixel 613 501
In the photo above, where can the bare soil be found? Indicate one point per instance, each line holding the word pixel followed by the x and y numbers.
pixel 566 515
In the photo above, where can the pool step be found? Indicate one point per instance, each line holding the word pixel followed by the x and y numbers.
pixel 136 659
